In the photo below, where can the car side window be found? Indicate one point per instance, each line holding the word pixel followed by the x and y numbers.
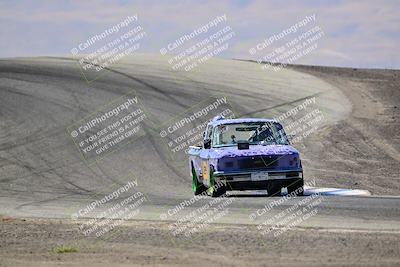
pixel 207 133
pixel 207 136
pixel 281 134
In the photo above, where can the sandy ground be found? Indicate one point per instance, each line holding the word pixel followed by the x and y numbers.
pixel 30 242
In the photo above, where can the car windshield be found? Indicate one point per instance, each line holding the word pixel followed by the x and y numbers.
pixel 268 133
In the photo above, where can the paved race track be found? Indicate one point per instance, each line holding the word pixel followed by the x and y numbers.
pixel 43 175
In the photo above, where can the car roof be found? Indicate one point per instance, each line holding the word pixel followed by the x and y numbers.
pixel 241 120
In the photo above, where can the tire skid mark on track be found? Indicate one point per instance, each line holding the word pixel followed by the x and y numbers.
pixel 282 104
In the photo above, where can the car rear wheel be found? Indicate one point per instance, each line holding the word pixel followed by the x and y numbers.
pixel 297 187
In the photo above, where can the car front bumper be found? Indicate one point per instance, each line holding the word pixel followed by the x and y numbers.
pixel 244 181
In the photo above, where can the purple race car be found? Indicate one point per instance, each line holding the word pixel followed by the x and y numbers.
pixel 245 154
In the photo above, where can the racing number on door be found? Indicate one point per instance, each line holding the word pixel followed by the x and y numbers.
pixel 205 171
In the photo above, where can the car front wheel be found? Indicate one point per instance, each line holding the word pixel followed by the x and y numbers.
pixel 198 187
pixel 274 189
pixel 296 187
pixel 215 190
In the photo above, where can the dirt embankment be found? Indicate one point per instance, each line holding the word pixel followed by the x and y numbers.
pixel 362 151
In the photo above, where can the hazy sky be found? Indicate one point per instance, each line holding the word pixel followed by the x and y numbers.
pixel 357 33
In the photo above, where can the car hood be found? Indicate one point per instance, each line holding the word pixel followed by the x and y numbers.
pixel 254 150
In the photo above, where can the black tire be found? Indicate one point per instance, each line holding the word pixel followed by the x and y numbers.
pixel 218 192
pixel 215 190
pixel 274 190
pixel 198 187
pixel 297 187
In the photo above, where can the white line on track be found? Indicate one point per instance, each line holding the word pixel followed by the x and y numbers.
pixel 325 191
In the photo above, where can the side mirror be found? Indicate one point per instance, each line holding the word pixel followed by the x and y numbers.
pixel 290 137
pixel 207 143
